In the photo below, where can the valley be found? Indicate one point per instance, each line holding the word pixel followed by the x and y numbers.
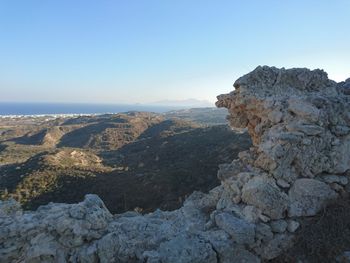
pixel 134 161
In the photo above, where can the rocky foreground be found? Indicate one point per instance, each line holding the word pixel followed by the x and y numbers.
pixel 299 121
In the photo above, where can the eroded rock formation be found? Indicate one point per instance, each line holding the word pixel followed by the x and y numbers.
pixel 300 124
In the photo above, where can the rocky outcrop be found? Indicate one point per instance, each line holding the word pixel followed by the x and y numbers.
pixel 299 121
pixel 87 232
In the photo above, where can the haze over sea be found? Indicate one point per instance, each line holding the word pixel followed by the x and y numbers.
pixel 24 108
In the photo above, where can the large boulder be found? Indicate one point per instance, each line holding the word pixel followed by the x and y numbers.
pixel 298 119
pixel 262 192
pixel 308 196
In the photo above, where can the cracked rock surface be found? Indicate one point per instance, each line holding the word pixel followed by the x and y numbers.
pixel 299 121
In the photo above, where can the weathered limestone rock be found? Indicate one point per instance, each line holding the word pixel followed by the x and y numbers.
pixel 340 155
pixel 240 230
pixel 303 109
pixel 292 226
pixel 177 250
pixel 279 226
pixel 308 196
pixel 227 251
pixel 299 121
pixel 332 178
pixel 251 213
pixel 292 116
pixel 263 193
pixel 52 229
pixel 263 233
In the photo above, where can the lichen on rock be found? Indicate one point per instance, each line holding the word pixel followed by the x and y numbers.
pixel 299 121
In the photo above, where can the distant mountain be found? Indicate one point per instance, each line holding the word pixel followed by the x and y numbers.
pixel 206 116
pixel 188 103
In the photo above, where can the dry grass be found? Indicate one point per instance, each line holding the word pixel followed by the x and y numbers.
pixel 322 238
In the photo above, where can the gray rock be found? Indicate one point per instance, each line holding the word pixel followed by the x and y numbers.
pixel 279 226
pixel 308 196
pixel 263 232
pixel 341 130
pixel 340 156
pixel 332 178
pixel 292 225
pixel 251 214
pixel 184 249
pixel 275 116
pixel 282 183
pixel 308 129
pixel 304 109
pixel 240 230
pixel 227 251
pixel 263 193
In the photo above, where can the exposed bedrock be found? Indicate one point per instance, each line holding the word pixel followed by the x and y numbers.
pixel 299 121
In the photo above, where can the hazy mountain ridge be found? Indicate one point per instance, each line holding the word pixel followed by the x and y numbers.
pixel 188 103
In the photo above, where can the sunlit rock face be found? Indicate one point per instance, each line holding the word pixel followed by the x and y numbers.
pixel 299 121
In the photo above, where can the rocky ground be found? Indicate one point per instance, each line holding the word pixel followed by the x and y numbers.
pixel 299 122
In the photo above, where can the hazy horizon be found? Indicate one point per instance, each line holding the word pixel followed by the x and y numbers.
pixel 164 102
pixel 143 52
pixel 49 108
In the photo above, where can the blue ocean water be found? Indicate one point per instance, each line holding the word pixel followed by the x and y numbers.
pixel 16 108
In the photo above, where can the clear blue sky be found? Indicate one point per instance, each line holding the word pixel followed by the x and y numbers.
pixel 144 51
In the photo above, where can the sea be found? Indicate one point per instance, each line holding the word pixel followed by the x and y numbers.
pixel 19 108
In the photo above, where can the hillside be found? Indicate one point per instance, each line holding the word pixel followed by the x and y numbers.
pixel 204 116
pixel 131 160
pixel 108 132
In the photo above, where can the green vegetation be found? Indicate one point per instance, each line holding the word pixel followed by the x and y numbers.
pixel 12 153
pixel 133 160
pixel 204 116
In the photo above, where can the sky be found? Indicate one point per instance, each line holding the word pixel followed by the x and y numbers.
pixel 145 51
